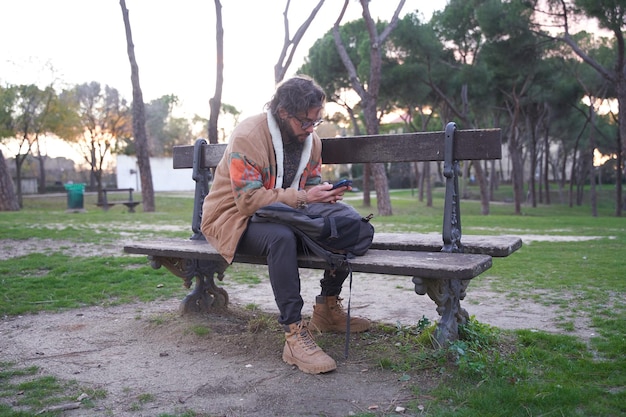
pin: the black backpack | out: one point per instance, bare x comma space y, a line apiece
334, 232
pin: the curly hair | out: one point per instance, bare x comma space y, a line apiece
297, 95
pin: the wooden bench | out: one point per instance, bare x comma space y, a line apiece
130, 203
440, 266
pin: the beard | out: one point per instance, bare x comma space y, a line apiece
289, 135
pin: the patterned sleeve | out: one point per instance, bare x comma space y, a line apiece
245, 175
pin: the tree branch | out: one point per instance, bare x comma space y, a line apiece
345, 58
280, 69
392, 23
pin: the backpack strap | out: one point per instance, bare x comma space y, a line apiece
347, 344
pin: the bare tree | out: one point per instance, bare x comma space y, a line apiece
26, 110
139, 121
369, 94
216, 101
290, 45
101, 117
8, 198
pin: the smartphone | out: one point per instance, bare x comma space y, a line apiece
342, 183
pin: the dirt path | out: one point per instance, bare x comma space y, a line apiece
146, 351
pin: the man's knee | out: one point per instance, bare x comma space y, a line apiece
282, 233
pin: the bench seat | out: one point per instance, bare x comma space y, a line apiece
429, 265
497, 246
105, 204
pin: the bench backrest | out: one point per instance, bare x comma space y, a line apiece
483, 144
450, 146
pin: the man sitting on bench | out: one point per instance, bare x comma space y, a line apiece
276, 157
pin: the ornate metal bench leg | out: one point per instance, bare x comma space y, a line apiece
206, 295
447, 294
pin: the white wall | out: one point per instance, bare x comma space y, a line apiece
164, 176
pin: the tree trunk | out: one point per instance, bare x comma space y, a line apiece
517, 173
546, 161
580, 180
619, 203
516, 154
592, 168
465, 179
356, 131
139, 121
563, 169
41, 188
532, 183
484, 188
381, 185
427, 184
369, 95
367, 175
19, 161
493, 179
8, 198
572, 178
216, 101
621, 99
419, 182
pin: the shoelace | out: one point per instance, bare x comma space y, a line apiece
306, 338
339, 307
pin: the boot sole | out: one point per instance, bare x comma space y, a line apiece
307, 369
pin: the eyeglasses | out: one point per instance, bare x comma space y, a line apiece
305, 124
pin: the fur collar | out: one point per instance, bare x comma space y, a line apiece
277, 141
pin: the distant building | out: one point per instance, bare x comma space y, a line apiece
164, 176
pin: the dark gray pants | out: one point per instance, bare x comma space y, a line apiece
281, 246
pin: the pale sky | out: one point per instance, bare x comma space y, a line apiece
84, 40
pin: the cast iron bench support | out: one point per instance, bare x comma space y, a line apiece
447, 294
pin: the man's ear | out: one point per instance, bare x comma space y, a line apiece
282, 113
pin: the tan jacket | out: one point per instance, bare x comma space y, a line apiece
248, 178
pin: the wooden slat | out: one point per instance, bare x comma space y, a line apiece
497, 246
482, 144
433, 265
183, 155
420, 146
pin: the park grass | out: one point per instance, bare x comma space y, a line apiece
491, 372
52, 282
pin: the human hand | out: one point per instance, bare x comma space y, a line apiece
325, 193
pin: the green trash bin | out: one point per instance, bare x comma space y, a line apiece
75, 196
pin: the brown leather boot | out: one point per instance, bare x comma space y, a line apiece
301, 350
329, 316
